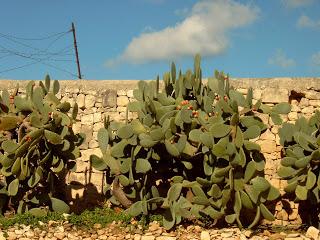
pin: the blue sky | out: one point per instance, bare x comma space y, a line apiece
138, 39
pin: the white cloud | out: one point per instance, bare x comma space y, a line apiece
306, 22
297, 3
204, 31
315, 59
281, 60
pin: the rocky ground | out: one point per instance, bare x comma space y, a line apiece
115, 231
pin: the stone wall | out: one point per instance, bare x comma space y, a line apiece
96, 99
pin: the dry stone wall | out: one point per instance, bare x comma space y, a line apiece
97, 99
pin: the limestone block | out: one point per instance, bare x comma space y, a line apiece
286, 223
121, 92
88, 111
97, 117
133, 115
91, 92
257, 93
130, 93
64, 99
313, 233
84, 145
87, 130
277, 222
98, 98
85, 154
275, 182
307, 110
95, 136
114, 116
311, 94
264, 117
292, 116
80, 101
98, 105
295, 108
122, 116
267, 135
294, 214
109, 98
267, 146
307, 115
275, 95
76, 127
87, 119
58, 95
242, 90
269, 163
68, 90
315, 103
122, 101
89, 101
75, 191
76, 178
121, 109
82, 166
282, 215
97, 126
93, 144
297, 222
275, 129
276, 155
304, 102
71, 101
97, 178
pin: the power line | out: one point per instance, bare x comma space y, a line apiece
31, 47
33, 39
35, 62
15, 68
19, 54
39, 56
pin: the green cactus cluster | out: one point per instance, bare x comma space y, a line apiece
190, 153
300, 164
37, 148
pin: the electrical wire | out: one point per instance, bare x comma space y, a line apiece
19, 54
33, 39
15, 68
31, 47
35, 62
39, 56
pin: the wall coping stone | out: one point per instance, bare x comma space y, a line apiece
290, 83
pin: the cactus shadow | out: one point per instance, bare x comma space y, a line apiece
83, 197
309, 214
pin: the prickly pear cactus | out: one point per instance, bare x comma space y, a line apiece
190, 152
300, 165
37, 147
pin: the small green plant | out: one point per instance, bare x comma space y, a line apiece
37, 148
86, 219
300, 165
102, 216
190, 153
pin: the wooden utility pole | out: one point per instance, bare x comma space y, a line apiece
76, 49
